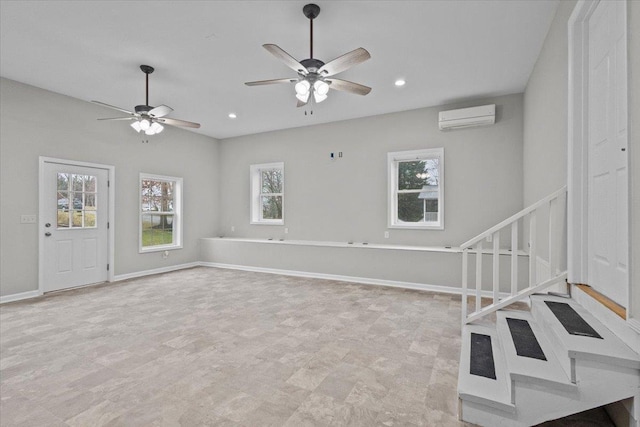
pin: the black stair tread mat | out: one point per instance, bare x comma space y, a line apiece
482, 356
524, 339
572, 321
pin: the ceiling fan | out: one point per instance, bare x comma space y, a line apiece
149, 119
314, 76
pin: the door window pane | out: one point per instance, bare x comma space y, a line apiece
77, 197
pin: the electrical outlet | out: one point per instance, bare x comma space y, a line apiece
165, 254
286, 230
386, 234
233, 228
27, 219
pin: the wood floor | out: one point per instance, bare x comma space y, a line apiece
217, 347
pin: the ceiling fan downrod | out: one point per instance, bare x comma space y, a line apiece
147, 69
311, 11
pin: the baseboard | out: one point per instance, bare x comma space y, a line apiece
351, 279
120, 277
20, 296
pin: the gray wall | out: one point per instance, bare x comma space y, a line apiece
35, 122
545, 129
545, 113
346, 199
361, 262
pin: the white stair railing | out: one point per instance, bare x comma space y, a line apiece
528, 216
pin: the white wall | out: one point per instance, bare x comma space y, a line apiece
346, 199
35, 122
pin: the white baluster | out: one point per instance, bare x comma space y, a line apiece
532, 249
478, 276
465, 255
514, 258
553, 233
496, 266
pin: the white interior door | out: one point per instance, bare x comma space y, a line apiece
74, 225
607, 155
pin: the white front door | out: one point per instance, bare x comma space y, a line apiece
607, 152
74, 225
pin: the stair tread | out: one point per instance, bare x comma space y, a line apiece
609, 348
528, 369
479, 389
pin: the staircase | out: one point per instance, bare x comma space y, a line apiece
549, 360
534, 366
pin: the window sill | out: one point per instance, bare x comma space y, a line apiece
416, 227
267, 222
159, 248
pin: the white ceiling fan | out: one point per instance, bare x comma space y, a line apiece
149, 119
314, 76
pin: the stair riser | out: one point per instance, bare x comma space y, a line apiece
599, 384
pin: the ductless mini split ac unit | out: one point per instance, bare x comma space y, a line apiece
467, 117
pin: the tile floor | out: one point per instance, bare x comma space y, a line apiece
217, 347
209, 346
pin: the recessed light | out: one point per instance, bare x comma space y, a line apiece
232, 115
400, 82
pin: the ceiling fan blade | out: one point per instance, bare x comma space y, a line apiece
270, 82
178, 122
288, 60
120, 118
344, 62
347, 86
113, 107
160, 111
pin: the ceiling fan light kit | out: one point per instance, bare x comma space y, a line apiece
146, 118
313, 74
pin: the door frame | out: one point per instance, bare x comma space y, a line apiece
111, 170
578, 150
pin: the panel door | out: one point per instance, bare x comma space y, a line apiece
74, 226
607, 155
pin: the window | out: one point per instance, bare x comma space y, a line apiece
76, 201
416, 189
160, 213
267, 193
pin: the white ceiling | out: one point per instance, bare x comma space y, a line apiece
204, 51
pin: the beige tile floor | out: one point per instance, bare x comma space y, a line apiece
226, 348
219, 347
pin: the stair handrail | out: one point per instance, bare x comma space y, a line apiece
475, 246
514, 217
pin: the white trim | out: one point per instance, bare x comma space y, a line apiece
20, 296
255, 216
577, 150
111, 172
177, 212
360, 245
167, 269
626, 330
351, 279
392, 173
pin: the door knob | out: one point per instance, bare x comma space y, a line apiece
47, 234
48, 225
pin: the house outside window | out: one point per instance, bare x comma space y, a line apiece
160, 213
416, 189
267, 193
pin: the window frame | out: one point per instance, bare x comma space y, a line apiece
255, 179
393, 159
177, 212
